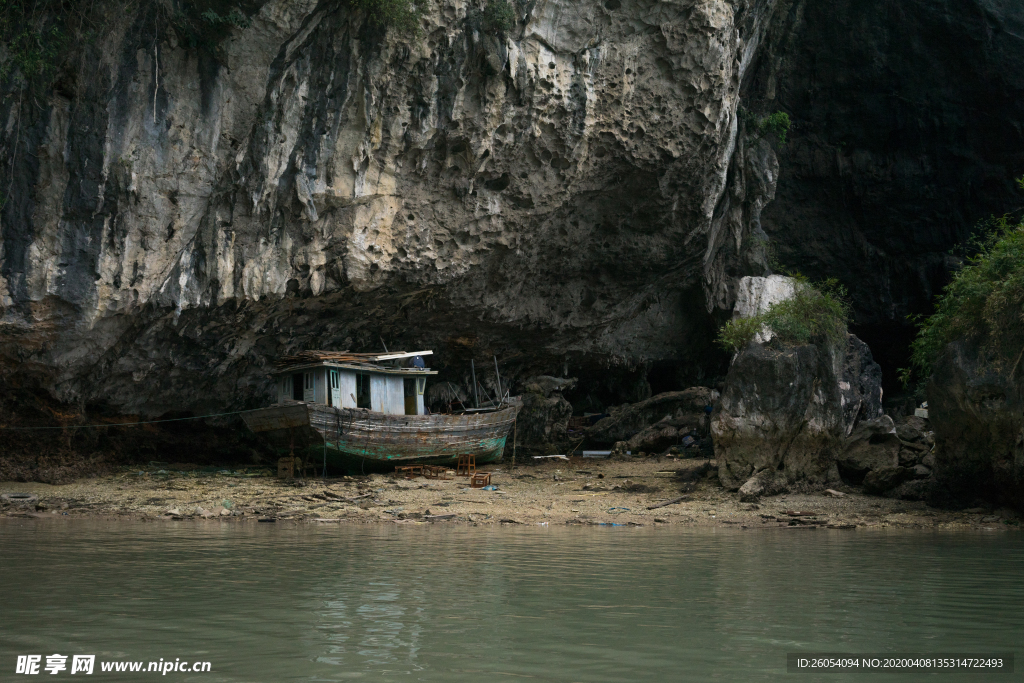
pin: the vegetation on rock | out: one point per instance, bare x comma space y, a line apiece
39, 35
983, 304
34, 35
775, 125
813, 312
207, 28
499, 17
401, 15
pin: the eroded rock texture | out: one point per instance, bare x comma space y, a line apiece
579, 197
778, 425
578, 190
976, 407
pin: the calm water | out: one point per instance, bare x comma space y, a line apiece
287, 603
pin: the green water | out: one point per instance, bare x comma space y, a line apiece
445, 603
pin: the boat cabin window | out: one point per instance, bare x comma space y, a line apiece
362, 391
297, 386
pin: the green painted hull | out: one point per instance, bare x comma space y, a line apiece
363, 441
339, 460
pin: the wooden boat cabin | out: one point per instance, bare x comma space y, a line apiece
388, 383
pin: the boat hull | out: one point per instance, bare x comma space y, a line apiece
362, 440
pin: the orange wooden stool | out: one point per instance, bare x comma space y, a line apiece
466, 466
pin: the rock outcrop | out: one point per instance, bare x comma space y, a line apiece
860, 385
786, 408
543, 421
778, 424
976, 408
873, 445
586, 189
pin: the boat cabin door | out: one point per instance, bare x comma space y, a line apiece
307, 387
334, 384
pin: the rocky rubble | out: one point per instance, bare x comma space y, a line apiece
654, 425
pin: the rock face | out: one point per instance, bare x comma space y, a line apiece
977, 410
657, 423
860, 385
181, 214
874, 188
543, 420
779, 420
872, 445
756, 294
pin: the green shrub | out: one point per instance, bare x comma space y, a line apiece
776, 125
34, 36
233, 18
402, 15
499, 17
812, 313
739, 332
984, 303
205, 30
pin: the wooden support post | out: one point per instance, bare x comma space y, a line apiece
476, 396
497, 375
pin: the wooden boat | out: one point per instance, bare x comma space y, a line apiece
359, 416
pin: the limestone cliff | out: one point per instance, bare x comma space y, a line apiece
578, 190
578, 195
908, 130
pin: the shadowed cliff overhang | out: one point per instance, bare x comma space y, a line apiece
181, 213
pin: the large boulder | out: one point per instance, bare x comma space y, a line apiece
881, 480
662, 418
976, 408
860, 384
913, 429
872, 445
779, 419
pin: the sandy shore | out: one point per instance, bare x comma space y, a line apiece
554, 493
